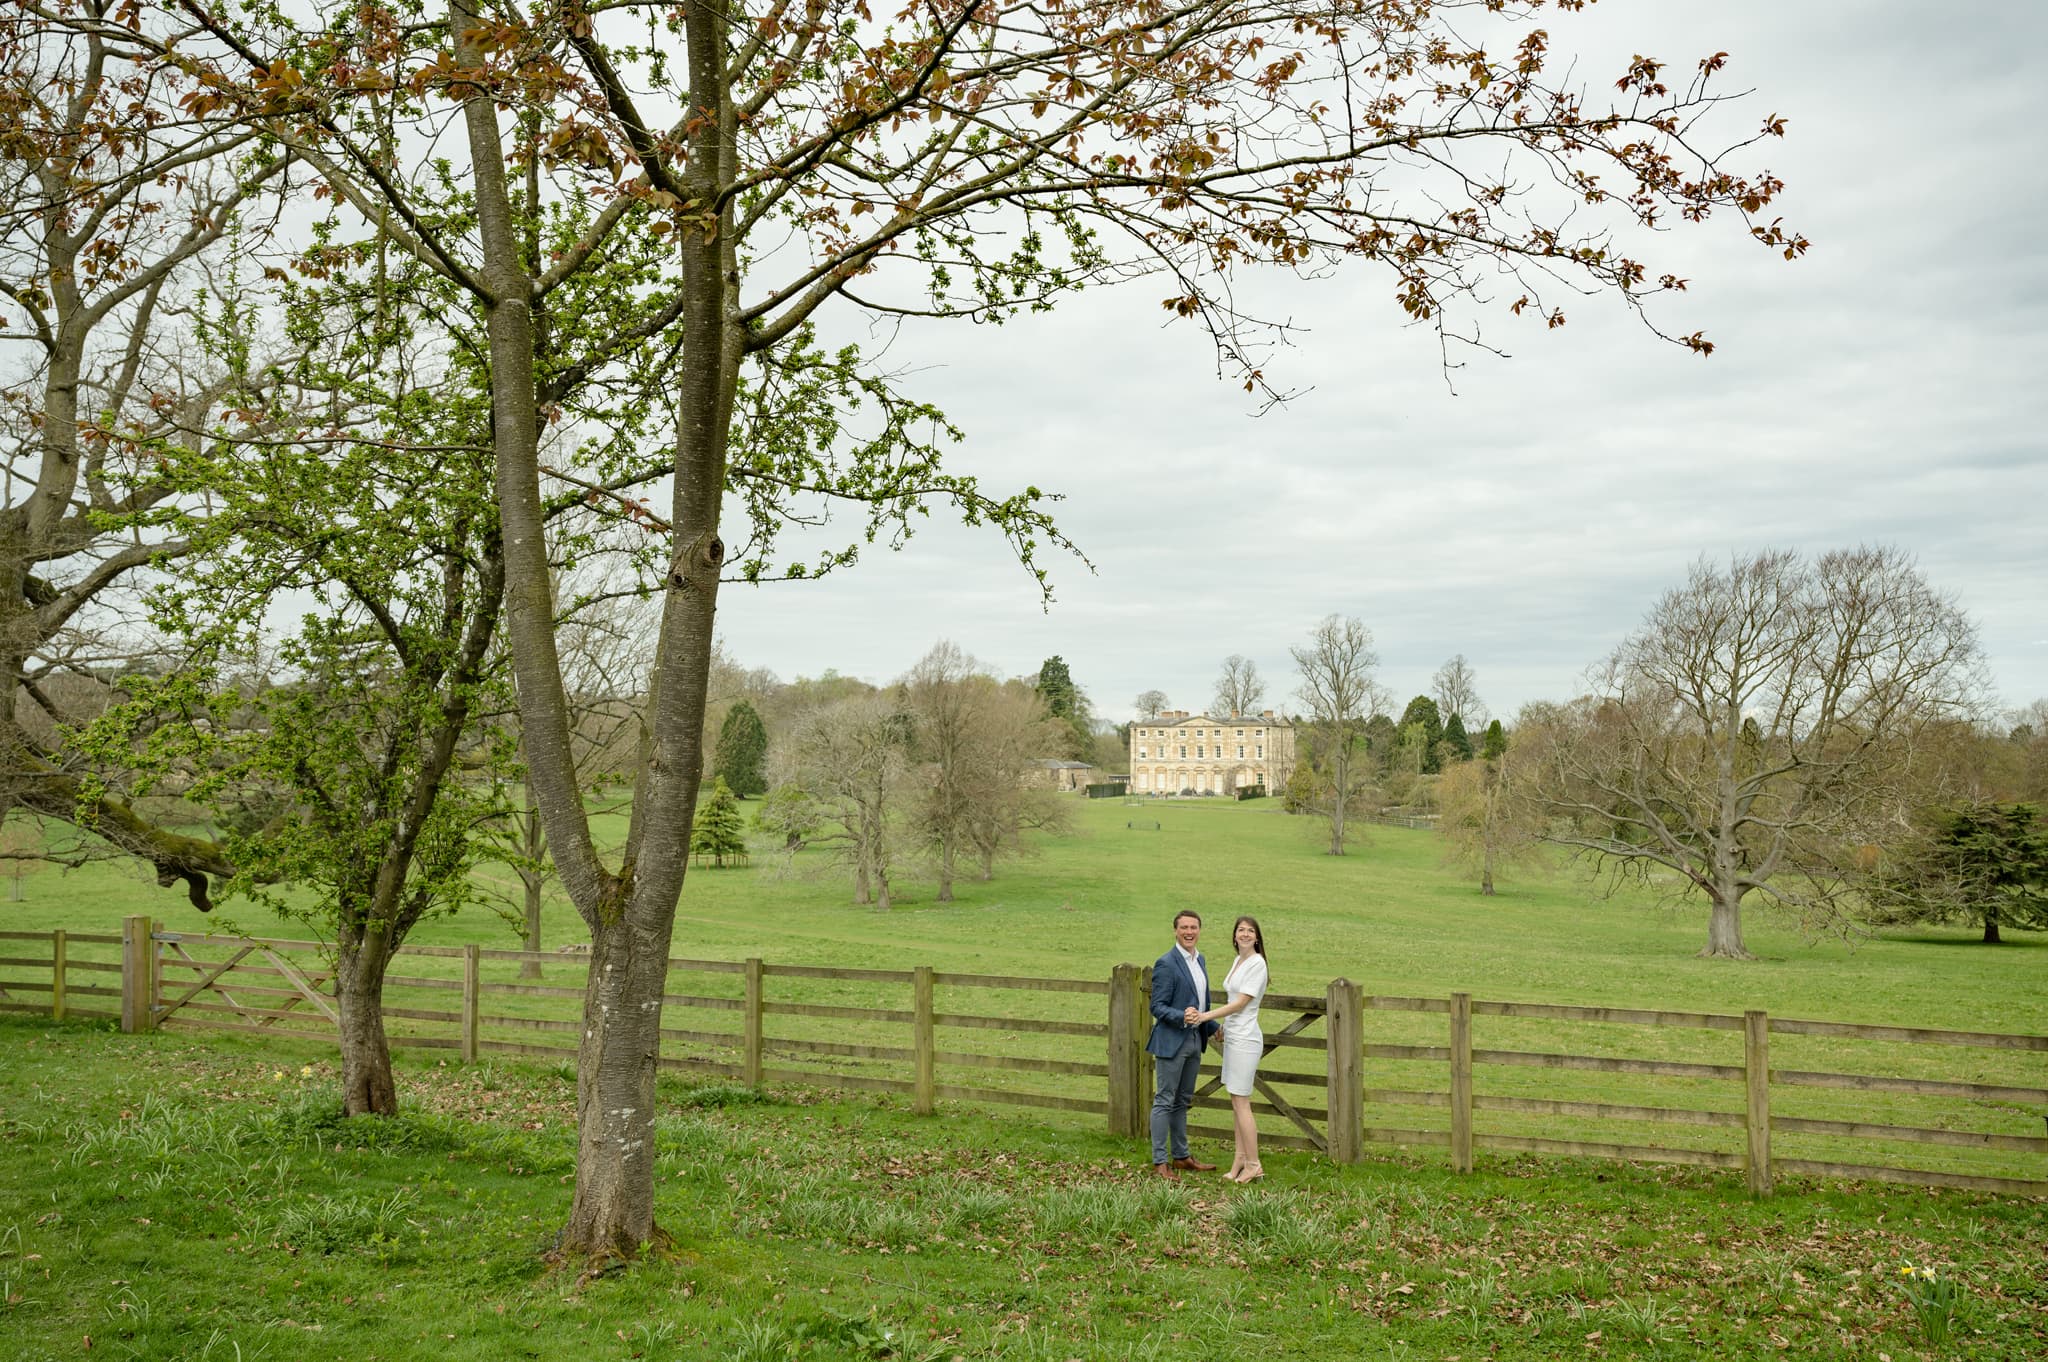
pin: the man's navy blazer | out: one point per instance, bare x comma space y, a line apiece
1173, 993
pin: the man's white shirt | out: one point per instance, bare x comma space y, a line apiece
1196, 976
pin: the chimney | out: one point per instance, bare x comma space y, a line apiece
1266, 713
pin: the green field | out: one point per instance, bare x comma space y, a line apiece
170, 1198
1388, 916
188, 1196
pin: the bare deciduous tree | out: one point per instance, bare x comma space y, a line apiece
1149, 703
1013, 802
1338, 690
1239, 689
1765, 721
1457, 692
853, 758
976, 739
944, 691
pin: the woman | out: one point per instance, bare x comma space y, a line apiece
1243, 1043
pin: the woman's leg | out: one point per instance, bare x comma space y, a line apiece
1247, 1132
1247, 1151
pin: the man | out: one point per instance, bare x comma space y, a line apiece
1180, 989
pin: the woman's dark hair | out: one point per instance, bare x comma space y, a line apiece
1258, 937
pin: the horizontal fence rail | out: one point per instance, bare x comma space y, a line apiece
1747, 1093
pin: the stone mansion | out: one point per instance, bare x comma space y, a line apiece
1177, 751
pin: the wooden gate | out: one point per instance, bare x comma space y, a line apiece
1308, 1012
1336, 1129
252, 987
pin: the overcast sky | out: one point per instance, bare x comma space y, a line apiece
1890, 387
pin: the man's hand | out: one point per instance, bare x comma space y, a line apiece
1191, 1017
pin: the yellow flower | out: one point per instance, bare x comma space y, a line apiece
277, 1077
306, 1072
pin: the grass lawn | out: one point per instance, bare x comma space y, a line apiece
1388, 916
168, 1197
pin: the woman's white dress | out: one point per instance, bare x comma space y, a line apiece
1243, 1042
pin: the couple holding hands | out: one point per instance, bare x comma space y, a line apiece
1182, 1024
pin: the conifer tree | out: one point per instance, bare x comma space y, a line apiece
1456, 741
741, 757
718, 836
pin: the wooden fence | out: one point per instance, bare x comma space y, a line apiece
1751, 1093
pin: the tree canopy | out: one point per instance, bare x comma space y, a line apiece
1767, 718
1982, 862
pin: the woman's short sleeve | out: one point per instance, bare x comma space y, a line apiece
1254, 980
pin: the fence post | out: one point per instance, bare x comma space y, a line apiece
1461, 1082
923, 1044
1126, 1053
1756, 1075
138, 975
58, 944
1344, 1037
472, 987
750, 1058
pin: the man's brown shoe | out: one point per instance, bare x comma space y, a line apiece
1194, 1165
1165, 1170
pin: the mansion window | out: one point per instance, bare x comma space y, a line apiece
1183, 733
1261, 750
1198, 753
1183, 753
1240, 733
1240, 751
1141, 754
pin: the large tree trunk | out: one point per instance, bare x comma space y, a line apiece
1991, 927
946, 870
633, 920
613, 1211
1724, 930
367, 1088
